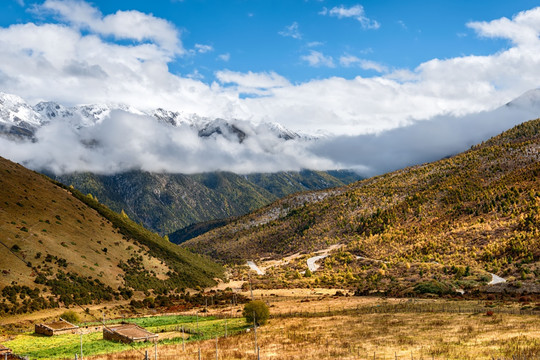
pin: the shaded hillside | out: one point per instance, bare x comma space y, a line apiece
194, 230
479, 209
168, 202
54, 240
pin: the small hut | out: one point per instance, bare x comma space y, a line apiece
128, 333
56, 328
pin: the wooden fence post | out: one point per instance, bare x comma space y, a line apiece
81, 347
255, 330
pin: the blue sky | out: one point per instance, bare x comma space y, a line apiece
252, 35
316, 66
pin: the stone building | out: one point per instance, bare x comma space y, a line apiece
55, 328
128, 333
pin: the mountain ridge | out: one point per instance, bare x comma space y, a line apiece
169, 202
480, 209
54, 237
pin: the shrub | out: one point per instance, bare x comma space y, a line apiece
70, 316
257, 309
433, 287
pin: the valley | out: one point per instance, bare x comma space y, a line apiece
451, 245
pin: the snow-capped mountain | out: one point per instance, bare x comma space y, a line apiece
22, 120
17, 118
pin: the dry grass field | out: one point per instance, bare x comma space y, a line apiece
302, 329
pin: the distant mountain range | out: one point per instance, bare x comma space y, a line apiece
169, 202
87, 151
164, 201
19, 119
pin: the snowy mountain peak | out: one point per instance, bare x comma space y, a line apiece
281, 131
14, 111
20, 119
50, 110
173, 118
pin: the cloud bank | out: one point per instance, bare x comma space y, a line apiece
125, 141
425, 141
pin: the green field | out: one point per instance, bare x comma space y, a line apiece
62, 346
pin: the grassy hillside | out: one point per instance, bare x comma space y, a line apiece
72, 248
475, 212
168, 202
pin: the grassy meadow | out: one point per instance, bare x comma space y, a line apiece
167, 326
314, 325
344, 333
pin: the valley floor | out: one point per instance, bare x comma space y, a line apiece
315, 324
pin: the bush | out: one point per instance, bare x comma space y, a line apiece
256, 308
433, 287
70, 316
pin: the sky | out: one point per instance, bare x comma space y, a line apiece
328, 68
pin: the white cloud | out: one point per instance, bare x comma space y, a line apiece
225, 57
351, 60
291, 31
20, 2
132, 25
127, 142
317, 59
252, 80
203, 48
356, 12
522, 29
422, 141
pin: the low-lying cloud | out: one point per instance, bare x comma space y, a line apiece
125, 141
425, 141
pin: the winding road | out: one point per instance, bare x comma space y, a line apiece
496, 280
255, 268
312, 262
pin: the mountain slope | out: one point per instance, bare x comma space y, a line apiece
480, 209
168, 202
53, 237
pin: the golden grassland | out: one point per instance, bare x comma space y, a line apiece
357, 335
312, 324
